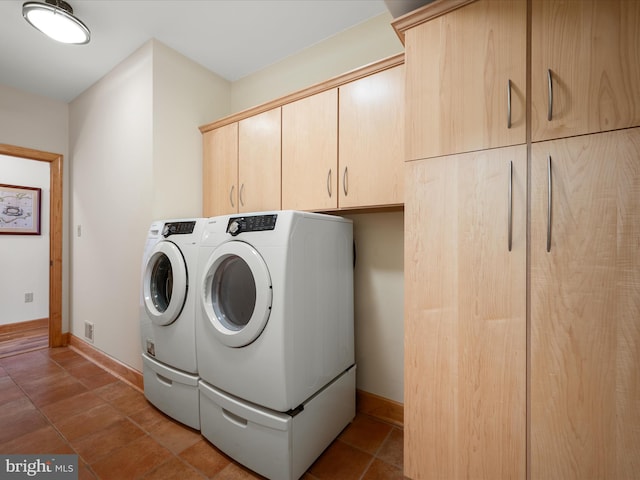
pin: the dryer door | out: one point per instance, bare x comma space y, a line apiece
165, 283
237, 292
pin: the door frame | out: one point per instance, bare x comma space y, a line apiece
56, 338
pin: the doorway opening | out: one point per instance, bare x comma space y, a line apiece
56, 338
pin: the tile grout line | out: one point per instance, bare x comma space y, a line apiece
44, 416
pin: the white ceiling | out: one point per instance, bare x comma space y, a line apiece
232, 38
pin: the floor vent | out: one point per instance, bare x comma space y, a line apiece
88, 331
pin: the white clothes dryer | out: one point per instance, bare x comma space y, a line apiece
167, 317
275, 318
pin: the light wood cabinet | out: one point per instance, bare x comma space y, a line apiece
241, 166
310, 152
582, 340
371, 140
465, 316
220, 171
466, 70
259, 162
585, 307
585, 55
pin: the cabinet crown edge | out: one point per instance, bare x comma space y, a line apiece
424, 14
334, 82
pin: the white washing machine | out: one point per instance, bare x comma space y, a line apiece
167, 317
274, 336
275, 320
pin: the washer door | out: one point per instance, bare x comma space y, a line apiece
237, 293
165, 283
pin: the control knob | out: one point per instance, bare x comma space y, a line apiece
234, 228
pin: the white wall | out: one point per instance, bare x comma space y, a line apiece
378, 281
39, 123
136, 156
24, 259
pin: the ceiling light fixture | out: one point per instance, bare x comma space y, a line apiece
55, 19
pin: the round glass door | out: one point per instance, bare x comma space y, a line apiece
237, 293
165, 283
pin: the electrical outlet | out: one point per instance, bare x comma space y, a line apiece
88, 331
28, 297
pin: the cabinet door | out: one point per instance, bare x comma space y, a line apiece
585, 308
465, 316
309, 152
458, 70
591, 50
259, 162
220, 171
371, 140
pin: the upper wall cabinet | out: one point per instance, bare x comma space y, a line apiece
220, 171
585, 67
310, 152
259, 157
466, 79
241, 166
371, 140
335, 145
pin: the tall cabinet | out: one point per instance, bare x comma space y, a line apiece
585, 307
523, 363
465, 316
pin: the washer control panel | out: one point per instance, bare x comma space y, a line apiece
178, 228
254, 223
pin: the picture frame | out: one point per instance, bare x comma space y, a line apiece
19, 210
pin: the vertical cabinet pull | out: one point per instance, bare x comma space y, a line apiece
329, 183
240, 196
233, 187
510, 208
550, 89
509, 104
549, 199
345, 187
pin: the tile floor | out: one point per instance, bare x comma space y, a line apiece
57, 401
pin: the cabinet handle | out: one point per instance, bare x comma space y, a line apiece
510, 207
549, 198
231, 196
240, 196
345, 187
329, 183
550, 88
509, 104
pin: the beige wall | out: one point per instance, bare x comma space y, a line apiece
379, 303
39, 123
185, 95
366, 43
136, 156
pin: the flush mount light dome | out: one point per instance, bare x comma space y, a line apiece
55, 19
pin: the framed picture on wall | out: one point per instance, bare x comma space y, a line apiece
19, 210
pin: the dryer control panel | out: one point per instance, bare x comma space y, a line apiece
178, 228
254, 223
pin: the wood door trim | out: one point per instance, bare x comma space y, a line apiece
56, 338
